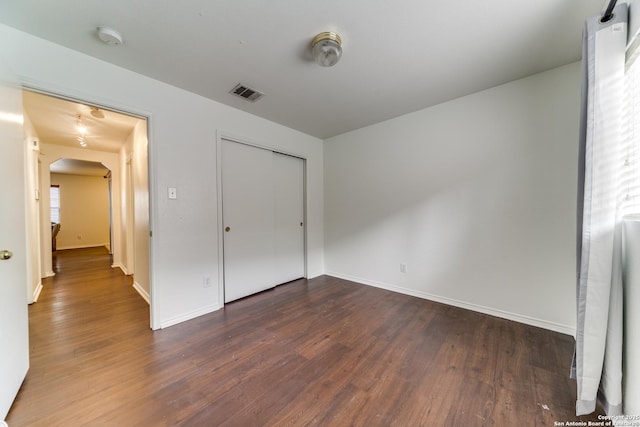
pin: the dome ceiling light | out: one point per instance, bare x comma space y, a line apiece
326, 49
109, 36
97, 113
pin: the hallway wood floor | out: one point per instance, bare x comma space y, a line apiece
322, 352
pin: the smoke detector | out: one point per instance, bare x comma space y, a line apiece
109, 36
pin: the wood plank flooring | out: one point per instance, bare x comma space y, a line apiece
324, 352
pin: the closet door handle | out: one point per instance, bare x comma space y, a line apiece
227, 229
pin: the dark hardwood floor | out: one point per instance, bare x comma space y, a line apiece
322, 352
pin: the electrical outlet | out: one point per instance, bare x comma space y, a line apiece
403, 267
206, 282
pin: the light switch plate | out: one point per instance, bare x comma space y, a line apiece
173, 193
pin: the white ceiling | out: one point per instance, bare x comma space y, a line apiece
55, 121
398, 56
78, 167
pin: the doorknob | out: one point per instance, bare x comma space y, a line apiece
5, 254
227, 229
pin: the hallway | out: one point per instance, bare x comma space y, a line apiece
80, 326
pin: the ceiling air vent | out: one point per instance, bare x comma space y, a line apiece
246, 92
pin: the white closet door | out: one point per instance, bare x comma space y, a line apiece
248, 218
289, 217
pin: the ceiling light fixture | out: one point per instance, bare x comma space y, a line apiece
326, 49
97, 113
109, 36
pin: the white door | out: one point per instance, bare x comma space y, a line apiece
289, 217
248, 218
14, 332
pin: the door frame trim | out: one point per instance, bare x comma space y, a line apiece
97, 101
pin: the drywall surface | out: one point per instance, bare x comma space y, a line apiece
475, 199
84, 211
140, 198
183, 129
32, 213
50, 153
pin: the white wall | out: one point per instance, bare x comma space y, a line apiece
32, 213
182, 145
477, 196
126, 206
135, 208
84, 211
50, 153
141, 207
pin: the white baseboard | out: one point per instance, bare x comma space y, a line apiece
144, 294
121, 267
36, 292
188, 316
83, 246
544, 324
48, 274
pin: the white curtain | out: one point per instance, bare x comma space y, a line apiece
597, 364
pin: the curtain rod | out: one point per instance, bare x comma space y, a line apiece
608, 13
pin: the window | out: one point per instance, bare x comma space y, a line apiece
631, 136
55, 203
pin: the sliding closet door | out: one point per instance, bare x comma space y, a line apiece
289, 217
248, 218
